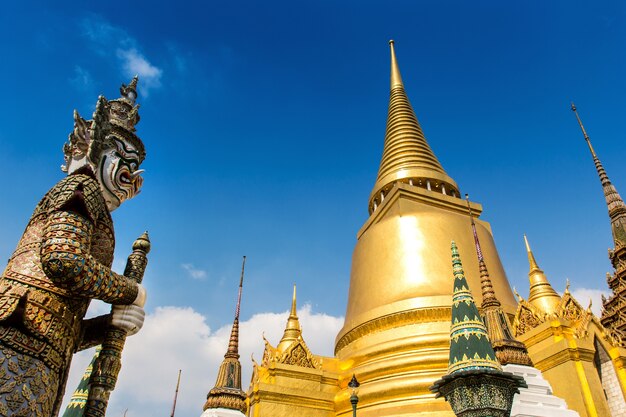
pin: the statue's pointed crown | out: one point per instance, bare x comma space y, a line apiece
406, 153
111, 118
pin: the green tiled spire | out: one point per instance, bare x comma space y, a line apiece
76, 407
469, 345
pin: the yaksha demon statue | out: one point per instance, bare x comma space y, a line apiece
63, 260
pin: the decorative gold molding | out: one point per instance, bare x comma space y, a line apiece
399, 319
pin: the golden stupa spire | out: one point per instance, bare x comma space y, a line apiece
292, 330
541, 295
227, 392
407, 157
508, 350
396, 78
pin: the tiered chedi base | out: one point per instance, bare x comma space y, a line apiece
537, 400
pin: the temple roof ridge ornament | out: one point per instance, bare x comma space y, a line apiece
227, 392
541, 294
407, 157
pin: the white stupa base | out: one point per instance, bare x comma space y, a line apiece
537, 400
222, 412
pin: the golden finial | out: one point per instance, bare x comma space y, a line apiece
580, 123
531, 257
142, 243
396, 78
293, 302
541, 294
292, 329
238, 309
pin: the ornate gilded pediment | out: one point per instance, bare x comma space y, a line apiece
527, 316
299, 354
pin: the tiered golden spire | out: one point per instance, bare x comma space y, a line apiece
227, 392
292, 331
613, 312
407, 157
616, 206
541, 295
508, 350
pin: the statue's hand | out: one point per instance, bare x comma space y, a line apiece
130, 317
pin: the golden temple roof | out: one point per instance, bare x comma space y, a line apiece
406, 153
541, 295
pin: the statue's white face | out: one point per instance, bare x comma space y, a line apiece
119, 174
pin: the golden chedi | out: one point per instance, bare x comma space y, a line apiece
396, 332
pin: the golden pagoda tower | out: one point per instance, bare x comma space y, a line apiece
227, 399
613, 308
396, 332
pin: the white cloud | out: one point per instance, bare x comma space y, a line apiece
108, 40
134, 63
194, 272
176, 338
583, 295
82, 78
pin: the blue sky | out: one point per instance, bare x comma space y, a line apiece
264, 126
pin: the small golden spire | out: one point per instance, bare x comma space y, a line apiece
396, 78
541, 295
293, 302
531, 257
292, 329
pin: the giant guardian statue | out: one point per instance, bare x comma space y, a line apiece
63, 261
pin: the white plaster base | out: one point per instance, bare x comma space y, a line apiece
222, 412
537, 400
